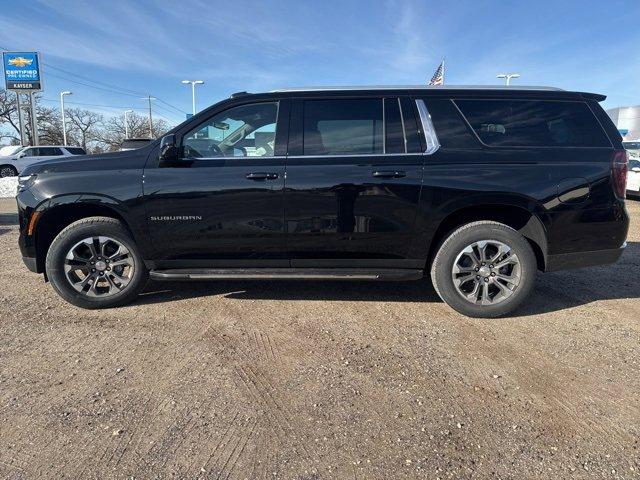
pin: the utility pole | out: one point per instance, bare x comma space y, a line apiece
193, 92
508, 76
20, 120
64, 121
126, 123
34, 119
149, 98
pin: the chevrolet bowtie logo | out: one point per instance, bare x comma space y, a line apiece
20, 61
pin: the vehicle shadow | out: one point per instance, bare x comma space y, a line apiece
289, 290
8, 219
554, 291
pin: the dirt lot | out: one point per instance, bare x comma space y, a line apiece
320, 380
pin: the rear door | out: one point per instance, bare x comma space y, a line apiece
354, 172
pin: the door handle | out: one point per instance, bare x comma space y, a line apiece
389, 174
257, 176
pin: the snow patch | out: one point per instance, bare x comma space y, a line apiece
8, 187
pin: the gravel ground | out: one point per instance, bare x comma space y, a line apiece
320, 380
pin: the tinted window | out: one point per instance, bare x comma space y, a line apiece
75, 150
49, 151
393, 127
343, 127
534, 123
30, 152
449, 125
633, 163
243, 131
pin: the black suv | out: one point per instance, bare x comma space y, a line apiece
478, 187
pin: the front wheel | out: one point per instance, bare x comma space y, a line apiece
94, 263
8, 171
484, 269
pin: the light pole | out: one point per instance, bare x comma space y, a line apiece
193, 91
64, 122
126, 124
508, 76
149, 98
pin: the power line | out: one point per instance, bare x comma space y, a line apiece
91, 104
110, 88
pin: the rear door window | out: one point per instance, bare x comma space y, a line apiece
50, 151
343, 127
393, 127
533, 123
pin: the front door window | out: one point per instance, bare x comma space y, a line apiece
243, 131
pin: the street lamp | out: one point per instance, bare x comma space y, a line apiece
126, 124
193, 91
64, 122
508, 76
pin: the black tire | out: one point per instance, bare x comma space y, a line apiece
76, 232
8, 171
443, 263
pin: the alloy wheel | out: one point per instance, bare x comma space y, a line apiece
99, 266
7, 172
486, 272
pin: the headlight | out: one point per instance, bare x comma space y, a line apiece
26, 181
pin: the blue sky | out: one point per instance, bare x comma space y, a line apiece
149, 47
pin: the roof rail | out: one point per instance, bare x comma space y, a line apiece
418, 87
239, 94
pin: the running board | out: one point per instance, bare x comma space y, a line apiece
287, 274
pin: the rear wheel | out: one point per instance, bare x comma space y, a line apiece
94, 263
8, 171
484, 269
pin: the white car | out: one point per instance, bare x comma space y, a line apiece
633, 178
13, 165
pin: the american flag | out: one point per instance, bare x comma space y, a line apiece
438, 77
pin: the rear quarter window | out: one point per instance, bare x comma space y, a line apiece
533, 123
449, 125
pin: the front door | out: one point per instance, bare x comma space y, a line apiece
354, 173
222, 204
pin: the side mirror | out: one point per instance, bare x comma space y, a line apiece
169, 154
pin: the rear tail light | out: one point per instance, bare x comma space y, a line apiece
619, 164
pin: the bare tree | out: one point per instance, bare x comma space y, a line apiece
50, 126
84, 126
113, 133
9, 114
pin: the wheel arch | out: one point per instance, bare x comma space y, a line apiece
63, 211
516, 217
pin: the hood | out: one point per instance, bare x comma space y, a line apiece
132, 159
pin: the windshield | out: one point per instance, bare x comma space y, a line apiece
10, 150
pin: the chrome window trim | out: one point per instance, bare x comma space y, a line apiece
356, 155
404, 131
427, 128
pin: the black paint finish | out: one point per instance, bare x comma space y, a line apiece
387, 211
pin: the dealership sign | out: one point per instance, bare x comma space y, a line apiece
22, 71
